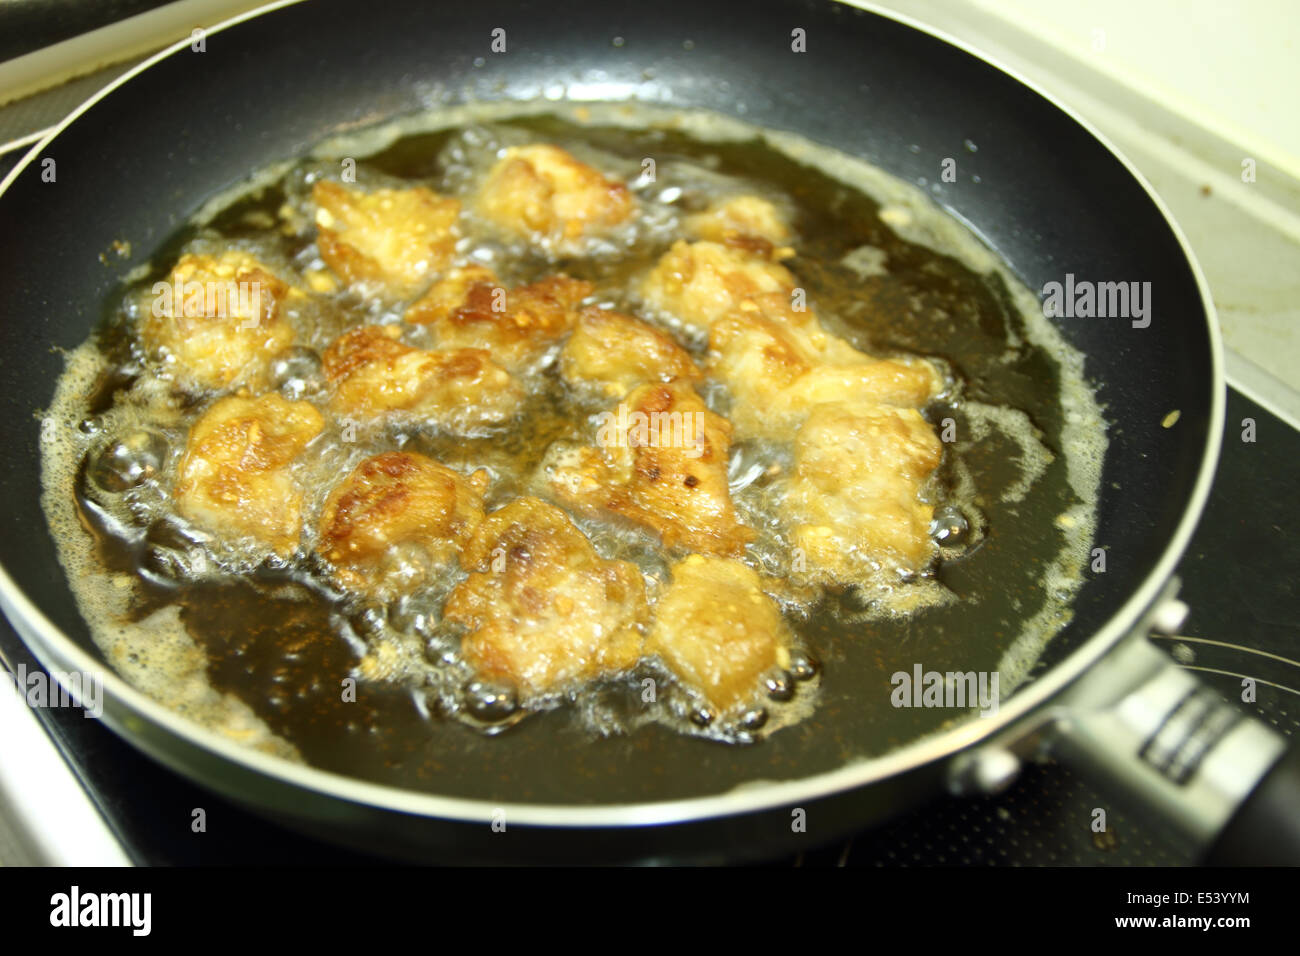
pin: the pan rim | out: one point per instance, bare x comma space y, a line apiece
42, 635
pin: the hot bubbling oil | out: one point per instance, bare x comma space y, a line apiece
274, 641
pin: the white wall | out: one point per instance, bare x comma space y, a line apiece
1231, 65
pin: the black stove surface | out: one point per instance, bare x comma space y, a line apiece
1245, 622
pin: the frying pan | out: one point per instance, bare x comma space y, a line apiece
1049, 196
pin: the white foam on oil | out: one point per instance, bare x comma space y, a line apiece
163, 660
1016, 426
157, 656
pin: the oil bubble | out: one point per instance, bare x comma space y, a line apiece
703, 716
779, 685
129, 461
490, 701
297, 372
803, 666
949, 527
172, 553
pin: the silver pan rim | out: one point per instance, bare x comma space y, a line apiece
57, 651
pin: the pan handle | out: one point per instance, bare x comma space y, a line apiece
1265, 830
1150, 730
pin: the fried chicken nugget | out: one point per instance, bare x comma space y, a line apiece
542, 609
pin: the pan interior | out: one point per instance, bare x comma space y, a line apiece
1040, 190
1027, 476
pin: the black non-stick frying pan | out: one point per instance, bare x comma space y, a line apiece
1043, 191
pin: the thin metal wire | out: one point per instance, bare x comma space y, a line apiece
1235, 647
1257, 680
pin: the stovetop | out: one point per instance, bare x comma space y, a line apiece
1245, 622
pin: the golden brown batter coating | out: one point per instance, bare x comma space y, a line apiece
398, 238
395, 518
661, 462
456, 390
236, 479
854, 504
450, 293
471, 309
717, 630
618, 353
700, 282
780, 364
543, 610
741, 219
218, 322
541, 193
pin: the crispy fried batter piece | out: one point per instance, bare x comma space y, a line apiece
471, 309
661, 462
401, 238
395, 518
541, 193
450, 293
235, 477
219, 320
780, 364
542, 608
739, 220
456, 390
700, 282
717, 630
853, 503
618, 353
